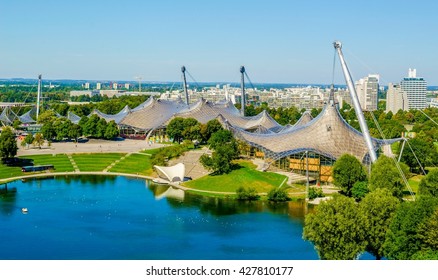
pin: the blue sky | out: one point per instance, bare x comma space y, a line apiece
278, 41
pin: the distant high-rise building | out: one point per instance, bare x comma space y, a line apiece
415, 88
127, 86
87, 85
367, 91
115, 85
396, 99
98, 86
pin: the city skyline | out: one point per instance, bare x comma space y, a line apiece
277, 41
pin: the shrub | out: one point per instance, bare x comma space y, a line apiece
247, 194
278, 195
315, 192
359, 190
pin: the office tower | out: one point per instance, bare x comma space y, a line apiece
415, 88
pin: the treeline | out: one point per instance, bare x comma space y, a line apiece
370, 215
28, 93
107, 105
281, 115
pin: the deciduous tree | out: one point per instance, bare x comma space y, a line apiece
403, 239
384, 175
335, 230
376, 211
346, 172
429, 184
8, 143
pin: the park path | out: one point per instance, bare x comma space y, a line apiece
73, 163
115, 162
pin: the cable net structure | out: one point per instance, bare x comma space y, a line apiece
328, 134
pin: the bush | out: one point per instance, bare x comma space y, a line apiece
315, 192
247, 194
278, 195
167, 153
359, 190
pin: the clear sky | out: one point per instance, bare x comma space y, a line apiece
278, 41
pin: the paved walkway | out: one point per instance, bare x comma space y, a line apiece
92, 146
73, 163
115, 162
190, 159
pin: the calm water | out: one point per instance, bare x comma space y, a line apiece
96, 217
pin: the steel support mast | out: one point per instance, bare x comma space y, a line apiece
38, 96
183, 70
356, 104
242, 87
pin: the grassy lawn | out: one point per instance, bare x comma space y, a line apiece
7, 171
60, 162
151, 151
245, 176
134, 163
95, 162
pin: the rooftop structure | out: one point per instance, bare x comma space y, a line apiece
328, 134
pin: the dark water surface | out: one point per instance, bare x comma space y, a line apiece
97, 217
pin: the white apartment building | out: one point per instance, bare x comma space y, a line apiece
396, 99
367, 90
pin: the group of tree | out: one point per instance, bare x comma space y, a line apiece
180, 129
225, 150
378, 220
58, 128
104, 104
30, 139
393, 125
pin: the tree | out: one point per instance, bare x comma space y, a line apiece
335, 230
376, 211
38, 140
48, 130
175, 129
8, 143
192, 129
384, 174
100, 128
48, 116
403, 239
62, 128
429, 184
278, 194
75, 132
424, 150
243, 193
112, 130
28, 140
225, 150
16, 124
220, 138
346, 171
209, 128
359, 190
90, 127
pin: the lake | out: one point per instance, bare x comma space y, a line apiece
118, 218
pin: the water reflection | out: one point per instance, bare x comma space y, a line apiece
98, 217
227, 206
87, 180
8, 198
